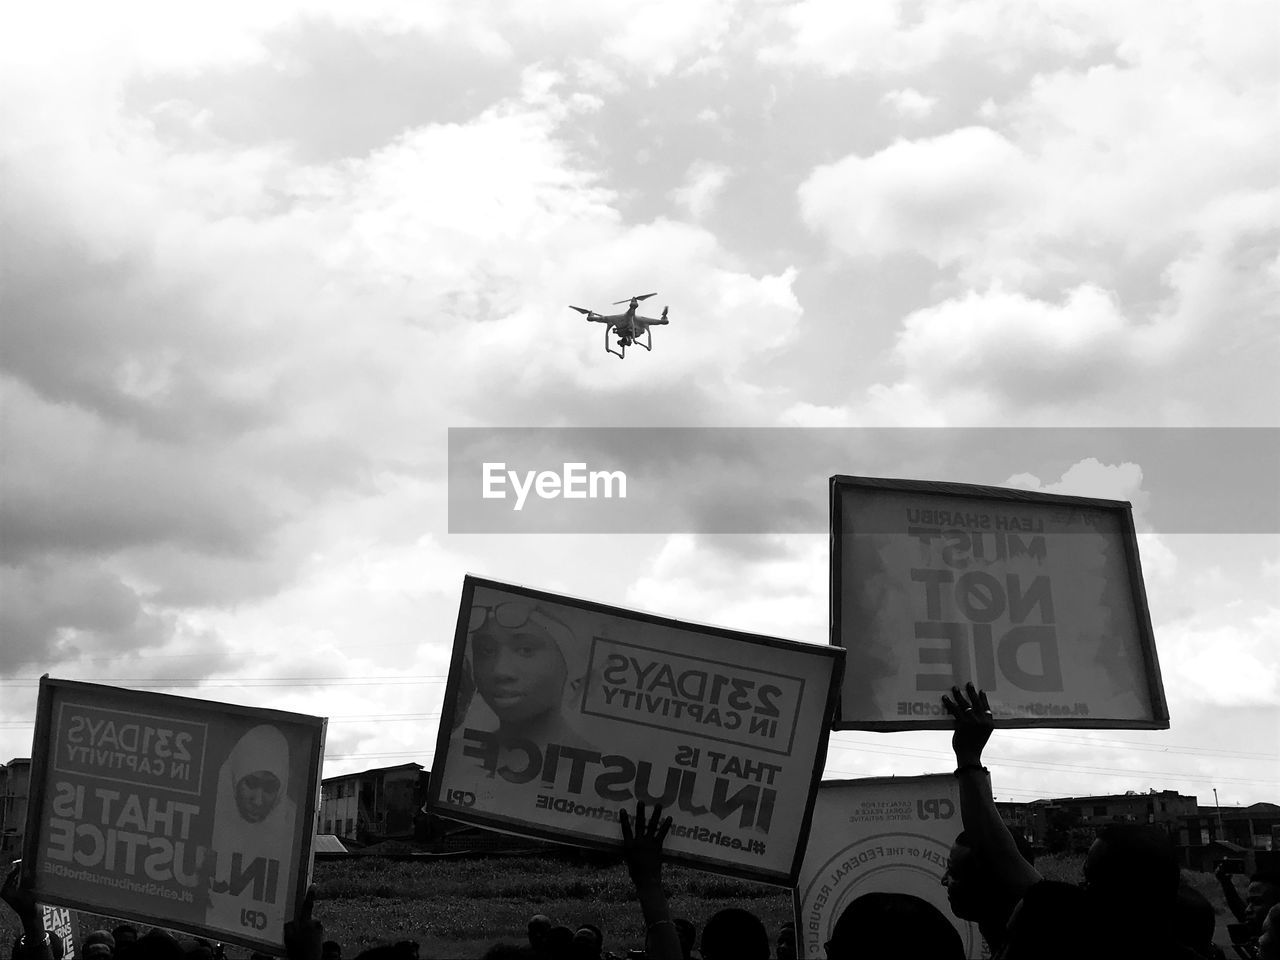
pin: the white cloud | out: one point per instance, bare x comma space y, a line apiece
910, 103
983, 354
837, 37
775, 585
893, 37
1147, 181
936, 196
1113, 481
1117, 481
237, 353
103, 488
227, 372
1080, 159
702, 186
150, 35
650, 38
1271, 568
814, 415
1092, 478
1206, 660
1012, 356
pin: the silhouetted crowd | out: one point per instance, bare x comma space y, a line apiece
1131, 902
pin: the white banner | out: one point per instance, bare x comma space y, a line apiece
1036, 599
183, 813
879, 835
561, 712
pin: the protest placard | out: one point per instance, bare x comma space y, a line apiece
1036, 598
878, 835
560, 712
61, 923
186, 814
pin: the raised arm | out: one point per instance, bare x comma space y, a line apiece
19, 895
304, 937
642, 848
1230, 893
974, 725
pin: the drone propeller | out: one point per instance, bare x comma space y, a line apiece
582, 310
643, 296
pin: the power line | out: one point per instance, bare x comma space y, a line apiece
901, 751
1133, 745
1180, 749
154, 682
401, 754
920, 752
118, 658
371, 718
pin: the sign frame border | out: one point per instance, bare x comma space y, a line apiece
39, 774
519, 828
1123, 510
797, 906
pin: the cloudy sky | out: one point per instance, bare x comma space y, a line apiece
258, 259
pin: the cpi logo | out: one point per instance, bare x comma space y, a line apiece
253, 918
463, 798
940, 809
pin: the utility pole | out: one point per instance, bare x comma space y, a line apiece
1221, 834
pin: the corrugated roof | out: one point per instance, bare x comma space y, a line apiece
1262, 809
328, 843
1233, 847
365, 773
1162, 795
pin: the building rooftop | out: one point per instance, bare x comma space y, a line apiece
1261, 809
365, 773
1119, 796
328, 843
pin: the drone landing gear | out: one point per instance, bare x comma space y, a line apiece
624, 342
621, 355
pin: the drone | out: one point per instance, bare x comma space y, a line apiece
627, 325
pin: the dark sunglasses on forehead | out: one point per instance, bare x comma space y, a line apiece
512, 614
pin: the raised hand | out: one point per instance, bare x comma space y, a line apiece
18, 894
642, 848
974, 723
304, 937
642, 845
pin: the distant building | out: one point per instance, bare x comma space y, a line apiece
373, 805
1018, 817
1209, 834
1071, 823
15, 785
1166, 807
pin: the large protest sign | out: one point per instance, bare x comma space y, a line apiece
560, 712
1036, 598
879, 835
183, 813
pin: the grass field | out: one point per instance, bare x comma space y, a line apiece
458, 908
